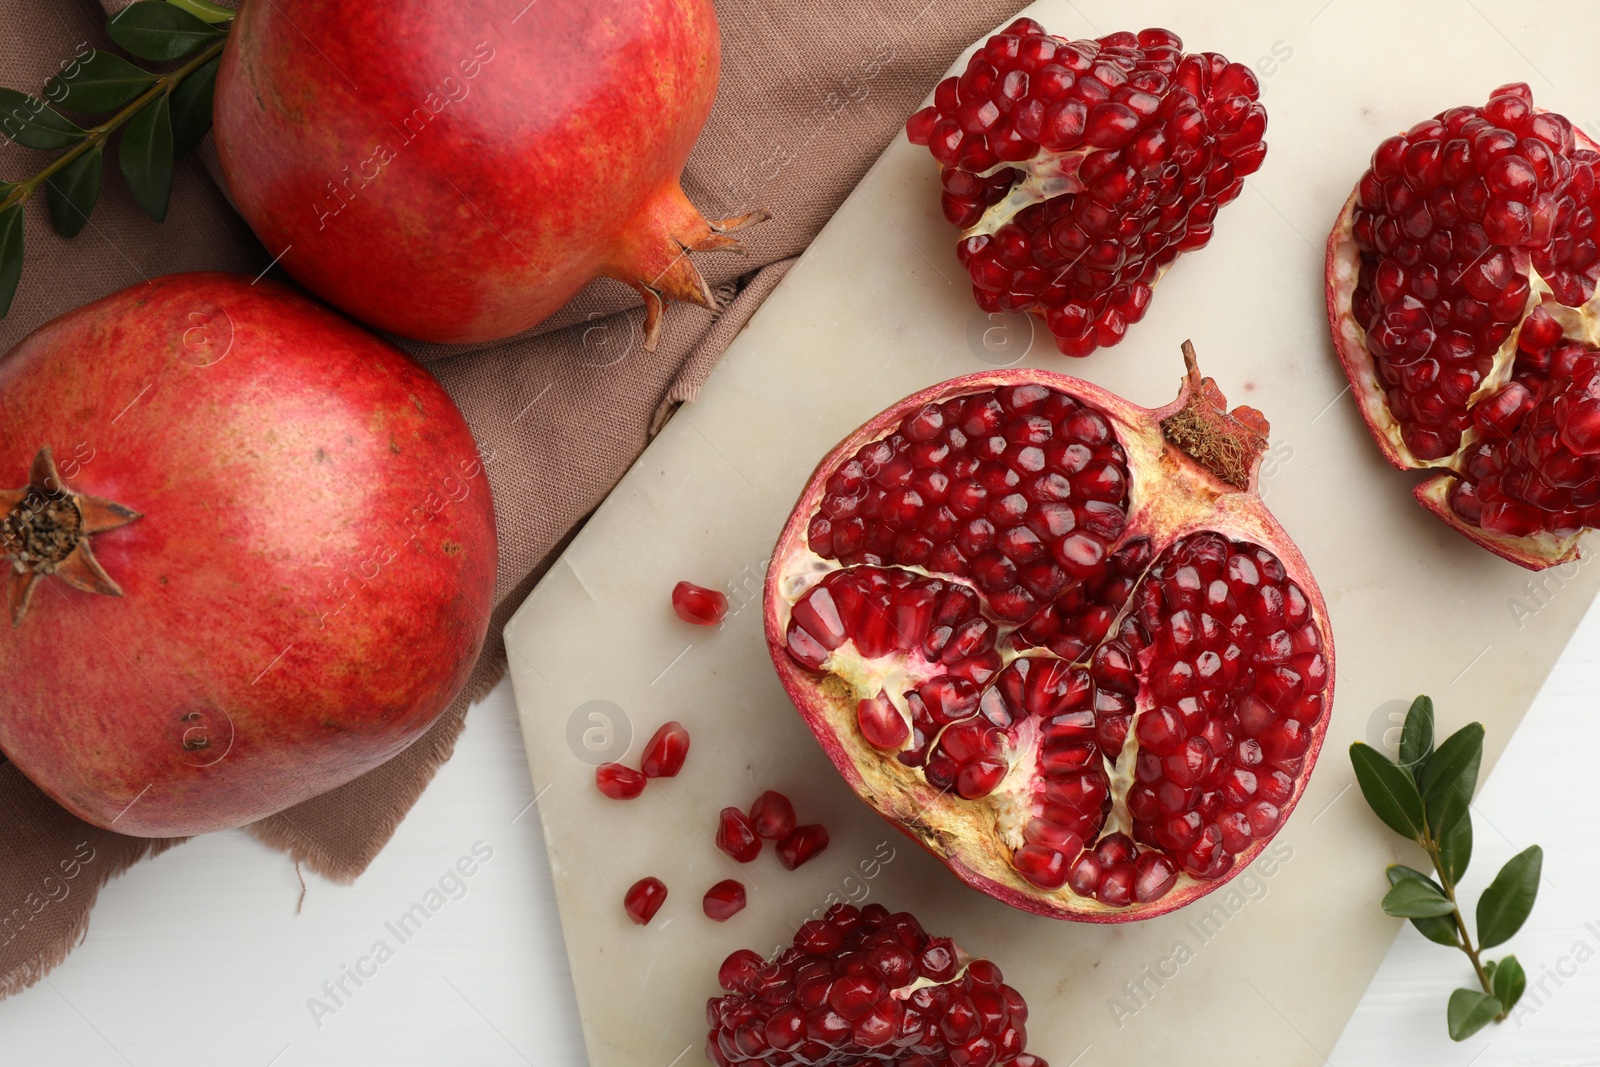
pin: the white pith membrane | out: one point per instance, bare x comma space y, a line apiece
1170, 497
1581, 324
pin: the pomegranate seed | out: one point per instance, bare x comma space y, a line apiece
699, 605
724, 900
618, 782
800, 846
643, 899
666, 751
772, 816
736, 836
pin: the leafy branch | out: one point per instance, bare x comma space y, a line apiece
1425, 797
161, 117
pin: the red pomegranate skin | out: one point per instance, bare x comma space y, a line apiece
308, 584
455, 173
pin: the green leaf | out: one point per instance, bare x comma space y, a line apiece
1505, 905
100, 81
1416, 898
1439, 930
1455, 850
10, 255
1452, 778
145, 157
1470, 1011
32, 123
205, 10
71, 192
1416, 737
1509, 982
1389, 790
191, 107
153, 29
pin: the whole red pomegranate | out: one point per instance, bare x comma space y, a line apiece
453, 174
863, 986
1057, 638
1460, 279
1079, 170
249, 554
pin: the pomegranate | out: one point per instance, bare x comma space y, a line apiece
802, 844
862, 986
1057, 638
724, 900
736, 837
1079, 170
643, 899
455, 175
666, 751
698, 605
249, 552
618, 782
772, 816
1460, 276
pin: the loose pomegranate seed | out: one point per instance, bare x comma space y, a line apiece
666, 751
772, 816
1131, 145
736, 836
699, 605
843, 995
724, 900
643, 899
618, 782
800, 846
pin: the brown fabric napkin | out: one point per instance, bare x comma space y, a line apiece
811, 93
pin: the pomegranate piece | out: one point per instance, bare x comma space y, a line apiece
802, 844
866, 986
698, 605
1459, 275
643, 899
736, 836
1079, 170
724, 900
618, 782
772, 815
1109, 669
666, 751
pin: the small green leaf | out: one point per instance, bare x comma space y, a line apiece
145, 157
1505, 905
205, 10
10, 255
71, 192
100, 81
1509, 982
1470, 1011
1416, 898
1439, 930
1416, 737
153, 29
1455, 850
1389, 790
1452, 778
31, 123
191, 107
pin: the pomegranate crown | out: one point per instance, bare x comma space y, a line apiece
1226, 443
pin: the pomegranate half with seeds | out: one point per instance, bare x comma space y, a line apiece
1057, 638
1460, 282
1079, 170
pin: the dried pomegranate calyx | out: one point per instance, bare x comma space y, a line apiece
45, 529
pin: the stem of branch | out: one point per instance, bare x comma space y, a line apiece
1466, 945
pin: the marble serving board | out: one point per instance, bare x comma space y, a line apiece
1264, 972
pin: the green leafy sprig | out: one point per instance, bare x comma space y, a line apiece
1425, 797
161, 117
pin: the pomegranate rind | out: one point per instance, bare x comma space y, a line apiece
1536, 552
1169, 495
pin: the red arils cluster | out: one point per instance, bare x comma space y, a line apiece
698, 605
1081, 169
864, 987
772, 818
1448, 221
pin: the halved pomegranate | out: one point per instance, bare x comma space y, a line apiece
1057, 638
1460, 284
1079, 170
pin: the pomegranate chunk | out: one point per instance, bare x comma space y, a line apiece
772, 815
867, 986
801, 845
724, 900
643, 899
666, 751
1079, 170
619, 782
736, 836
699, 605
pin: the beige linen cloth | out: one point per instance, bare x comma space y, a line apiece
812, 92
